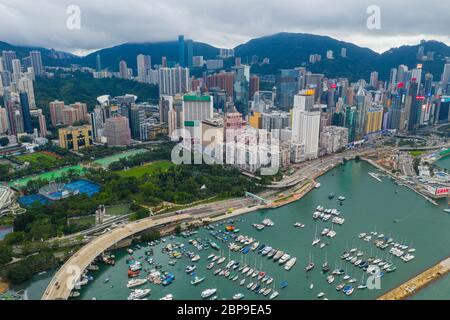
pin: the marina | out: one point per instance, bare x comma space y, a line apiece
397, 216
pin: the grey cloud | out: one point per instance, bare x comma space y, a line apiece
222, 23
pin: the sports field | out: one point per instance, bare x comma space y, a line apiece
105, 162
39, 157
150, 168
49, 176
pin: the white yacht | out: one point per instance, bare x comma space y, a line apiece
136, 283
208, 293
139, 294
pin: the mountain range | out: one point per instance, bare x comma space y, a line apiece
285, 50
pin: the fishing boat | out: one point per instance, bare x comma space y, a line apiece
197, 280
136, 283
208, 293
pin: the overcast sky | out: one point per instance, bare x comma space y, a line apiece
223, 23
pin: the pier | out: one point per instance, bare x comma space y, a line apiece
419, 282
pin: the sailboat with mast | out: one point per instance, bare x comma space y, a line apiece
310, 265
316, 239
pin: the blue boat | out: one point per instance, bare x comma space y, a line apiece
257, 288
347, 288
284, 284
245, 250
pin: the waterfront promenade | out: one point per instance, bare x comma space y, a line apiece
419, 282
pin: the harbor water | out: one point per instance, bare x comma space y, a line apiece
370, 206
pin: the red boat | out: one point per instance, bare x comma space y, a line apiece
133, 274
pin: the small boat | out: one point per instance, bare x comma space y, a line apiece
238, 296
274, 295
310, 266
208, 293
139, 294
340, 286
284, 284
331, 196
317, 186
195, 258
190, 269
197, 280
330, 279
216, 272
321, 295
210, 266
290, 264
167, 297
250, 285
136, 283
242, 282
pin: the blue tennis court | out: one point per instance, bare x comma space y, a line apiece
79, 186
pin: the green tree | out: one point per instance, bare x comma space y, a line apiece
5, 254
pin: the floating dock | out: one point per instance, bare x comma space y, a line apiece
419, 282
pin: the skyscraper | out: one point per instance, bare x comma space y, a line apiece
25, 112
254, 86
98, 62
306, 131
8, 57
195, 110
287, 87
181, 51
445, 78
190, 52
374, 79
241, 87
137, 118
117, 131
36, 63
173, 80
143, 65
26, 84
123, 69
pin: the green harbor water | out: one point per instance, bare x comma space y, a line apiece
370, 206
